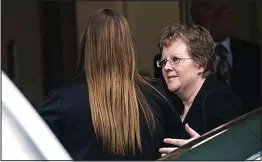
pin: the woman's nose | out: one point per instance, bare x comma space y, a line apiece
168, 67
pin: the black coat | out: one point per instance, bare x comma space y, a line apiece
67, 112
246, 73
214, 105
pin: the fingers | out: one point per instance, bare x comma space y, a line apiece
163, 155
167, 150
177, 142
191, 132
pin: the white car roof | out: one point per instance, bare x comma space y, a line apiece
25, 136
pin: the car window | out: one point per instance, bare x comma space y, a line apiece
238, 139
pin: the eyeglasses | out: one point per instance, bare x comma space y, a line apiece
172, 60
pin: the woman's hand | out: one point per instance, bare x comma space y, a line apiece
178, 142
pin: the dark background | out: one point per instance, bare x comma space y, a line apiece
39, 39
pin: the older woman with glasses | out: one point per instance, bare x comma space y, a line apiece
188, 67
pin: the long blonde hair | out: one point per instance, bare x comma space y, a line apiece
114, 95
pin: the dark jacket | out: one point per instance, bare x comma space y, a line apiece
246, 73
214, 105
67, 112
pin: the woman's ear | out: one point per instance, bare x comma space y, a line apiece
200, 69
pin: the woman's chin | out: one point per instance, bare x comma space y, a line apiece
173, 88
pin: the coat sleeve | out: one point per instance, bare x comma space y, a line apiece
51, 112
221, 107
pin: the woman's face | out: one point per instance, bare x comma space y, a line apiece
181, 73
